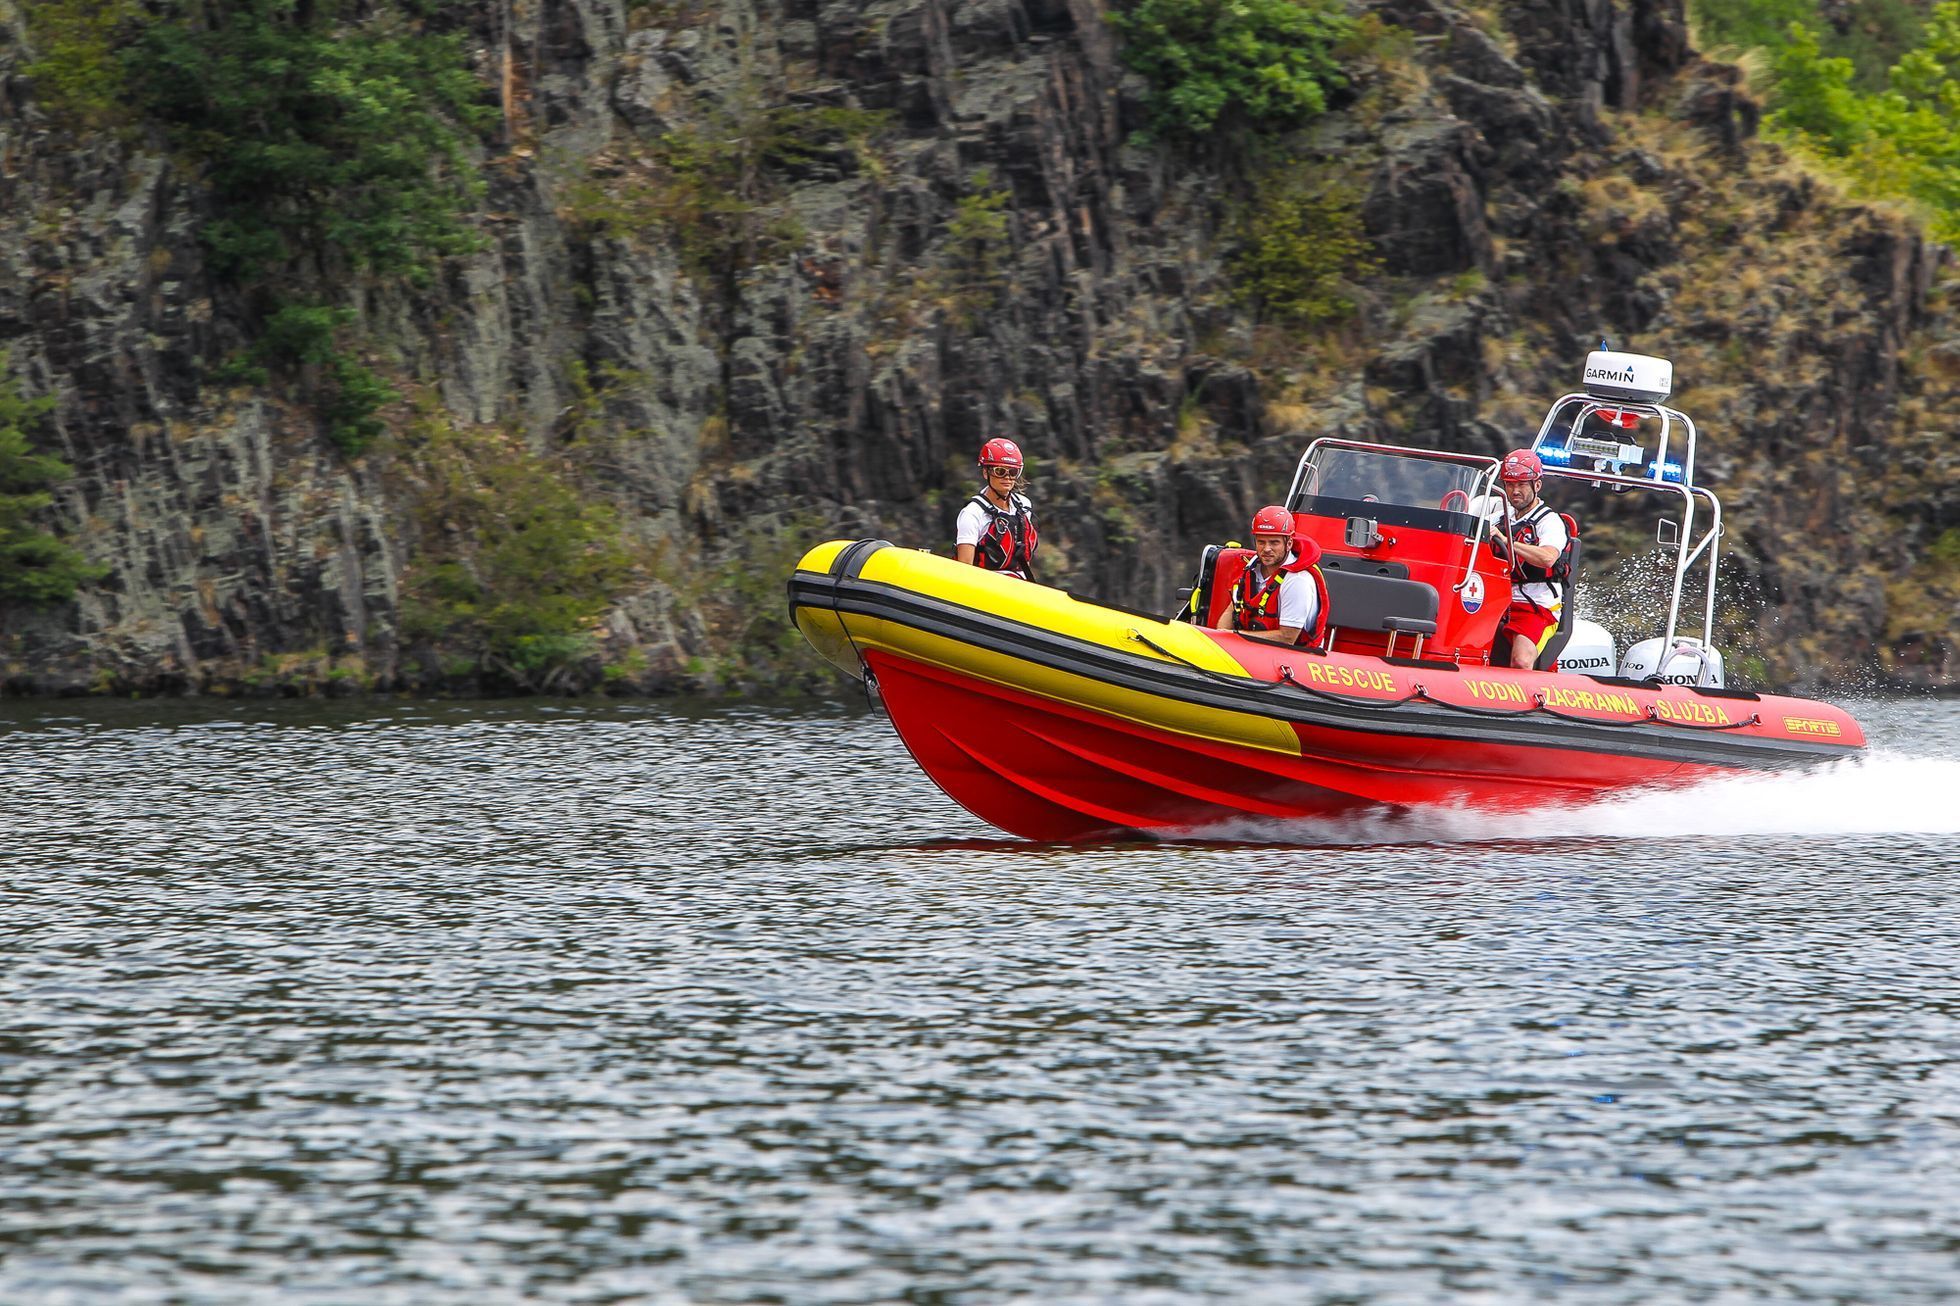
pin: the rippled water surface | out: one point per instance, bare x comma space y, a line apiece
481, 1003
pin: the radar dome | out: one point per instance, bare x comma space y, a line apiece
1630, 378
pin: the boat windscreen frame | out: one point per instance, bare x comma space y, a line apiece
1486, 483
1688, 550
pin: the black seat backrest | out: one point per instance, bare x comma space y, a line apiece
1360, 601
1219, 569
1196, 607
1548, 659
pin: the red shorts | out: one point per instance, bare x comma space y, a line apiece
1531, 621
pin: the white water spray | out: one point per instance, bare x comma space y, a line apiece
1877, 793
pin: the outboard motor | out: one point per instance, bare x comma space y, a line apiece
1590, 650
1689, 662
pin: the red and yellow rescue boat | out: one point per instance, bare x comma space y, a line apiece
1060, 718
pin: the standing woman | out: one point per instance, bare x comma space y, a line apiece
996, 531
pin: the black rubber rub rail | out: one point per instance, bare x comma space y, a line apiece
1180, 680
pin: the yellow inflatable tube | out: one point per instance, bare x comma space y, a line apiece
1006, 604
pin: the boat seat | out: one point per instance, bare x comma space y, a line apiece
1360, 601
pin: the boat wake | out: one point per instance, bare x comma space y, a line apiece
1875, 793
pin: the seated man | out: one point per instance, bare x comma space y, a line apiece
1534, 538
1264, 604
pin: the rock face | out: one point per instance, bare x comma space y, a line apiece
1577, 173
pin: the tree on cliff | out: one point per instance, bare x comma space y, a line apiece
334, 141
34, 566
1263, 65
1887, 121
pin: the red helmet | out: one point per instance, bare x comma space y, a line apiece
999, 452
1521, 465
1272, 520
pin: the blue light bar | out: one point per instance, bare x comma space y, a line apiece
1551, 455
1666, 472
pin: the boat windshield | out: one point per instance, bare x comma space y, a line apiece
1370, 476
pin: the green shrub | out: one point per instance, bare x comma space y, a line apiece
722, 191
613, 207
1262, 65
1750, 23
754, 637
78, 72
1813, 93
35, 567
1872, 34
298, 335
978, 228
717, 190
352, 404
240, 369
302, 342
333, 137
514, 568
1298, 247
628, 669
1903, 142
976, 241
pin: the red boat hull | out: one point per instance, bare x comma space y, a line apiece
1049, 771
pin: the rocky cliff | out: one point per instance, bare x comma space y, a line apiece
976, 245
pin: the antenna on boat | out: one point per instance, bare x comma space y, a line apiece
1621, 392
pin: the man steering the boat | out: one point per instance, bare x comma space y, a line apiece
995, 530
1281, 597
1525, 530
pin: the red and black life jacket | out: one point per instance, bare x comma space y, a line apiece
1009, 542
1256, 607
1526, 532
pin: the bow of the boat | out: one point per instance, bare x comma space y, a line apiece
813, 589
851, 599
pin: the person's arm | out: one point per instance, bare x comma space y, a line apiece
1536, 555
1298, 601
1547, 551
967, 530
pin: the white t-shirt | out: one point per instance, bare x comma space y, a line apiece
1549, 531
974, 519
1299, 597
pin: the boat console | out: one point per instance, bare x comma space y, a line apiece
1404, 532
